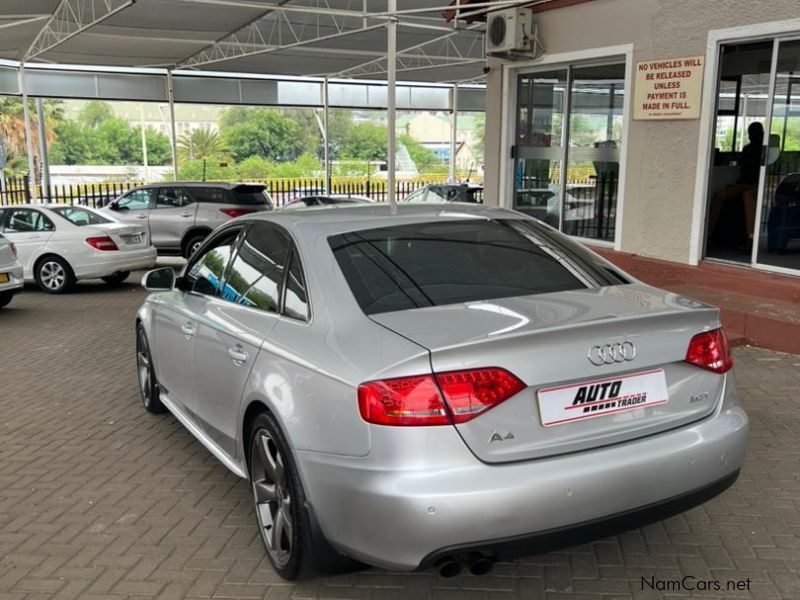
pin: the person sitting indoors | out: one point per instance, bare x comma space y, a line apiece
746, 190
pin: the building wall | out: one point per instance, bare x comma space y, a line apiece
662, 157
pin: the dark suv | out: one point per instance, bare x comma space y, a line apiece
179, 216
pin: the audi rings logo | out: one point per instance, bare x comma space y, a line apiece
608, 354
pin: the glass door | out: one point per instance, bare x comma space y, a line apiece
777, 237
539, 145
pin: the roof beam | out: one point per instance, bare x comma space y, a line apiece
71, 18
22, 21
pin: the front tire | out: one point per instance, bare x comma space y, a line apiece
193, 244
5, 298
148, 384
116, 278
54, 275
279, 501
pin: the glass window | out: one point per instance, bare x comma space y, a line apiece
205, 274
80, 216
173, 197
256, 274
295, 301
135, 200
439, 263
215, 195
25, 220
417, 196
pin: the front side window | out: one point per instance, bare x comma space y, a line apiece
26, 220
206, 274
136, 200
256, 274
439, 263
173, 198
80, 216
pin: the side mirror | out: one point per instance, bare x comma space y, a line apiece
159, 280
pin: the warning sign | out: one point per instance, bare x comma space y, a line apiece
670, 88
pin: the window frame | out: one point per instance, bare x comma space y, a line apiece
294, 252
157, 192
148, 190
6, 216
182, 281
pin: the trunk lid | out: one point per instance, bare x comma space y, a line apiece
126, 236
545, 340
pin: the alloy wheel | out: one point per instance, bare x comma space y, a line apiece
52, 275
195, 247
272, 497
143, 368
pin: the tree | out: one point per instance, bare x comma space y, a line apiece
364, 141
95, 112
265, 132
12, 131
206, 170
201, 143
425, 159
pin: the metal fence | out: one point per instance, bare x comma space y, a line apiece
19, 190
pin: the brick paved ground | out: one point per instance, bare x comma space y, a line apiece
99, 499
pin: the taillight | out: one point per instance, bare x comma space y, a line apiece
709, 350
13, 250
417, 400
237, 212
102, 242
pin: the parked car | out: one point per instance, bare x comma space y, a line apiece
448, 192
58, 245
10, 271
418, 387
543, 204
325, 200
179, 216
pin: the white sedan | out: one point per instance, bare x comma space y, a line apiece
10, 271
59, 245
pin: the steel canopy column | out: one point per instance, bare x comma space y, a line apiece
26, 114
454, 134
391, 114
325, 139
172, 137
43, 159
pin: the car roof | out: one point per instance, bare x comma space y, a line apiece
323, 220
225, 185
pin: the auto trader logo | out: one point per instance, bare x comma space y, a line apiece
604, 396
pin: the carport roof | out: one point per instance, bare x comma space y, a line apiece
342, 38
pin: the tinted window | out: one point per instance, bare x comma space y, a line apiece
215, 195
256, 274
173, 198
25, 220
205, 274
475, 196
439, 263
136, 200
250, 195
417, 196
295, 300
80, 216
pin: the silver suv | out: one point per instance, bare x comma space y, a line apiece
179, 216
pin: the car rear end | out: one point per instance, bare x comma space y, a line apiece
560, 395
113, 248
11, 280
230, 202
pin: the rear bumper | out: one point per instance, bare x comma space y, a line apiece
404, 517
15, 282
101, 264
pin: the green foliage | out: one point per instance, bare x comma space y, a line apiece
364, 141
254, 167
95, 112
202, 143
265, 132
425, 159
206, 170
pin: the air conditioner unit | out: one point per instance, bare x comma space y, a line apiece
509, 31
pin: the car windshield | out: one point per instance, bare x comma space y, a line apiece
449, 262
80, 216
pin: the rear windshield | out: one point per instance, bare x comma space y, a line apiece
80, 216
450, 262
251, 195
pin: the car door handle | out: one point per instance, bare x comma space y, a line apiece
238, 355
188, 330
141, 217
187, 215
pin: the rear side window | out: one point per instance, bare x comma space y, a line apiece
214, 195
449, 262
173, 197
250, 195
295, 299
256, 274
26, 220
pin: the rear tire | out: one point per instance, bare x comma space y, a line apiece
5, 298
54, 275
148, 384
192, 244
116, 278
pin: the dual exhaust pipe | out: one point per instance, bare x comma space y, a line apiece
475, 562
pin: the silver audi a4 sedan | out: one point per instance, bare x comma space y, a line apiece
441, 385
